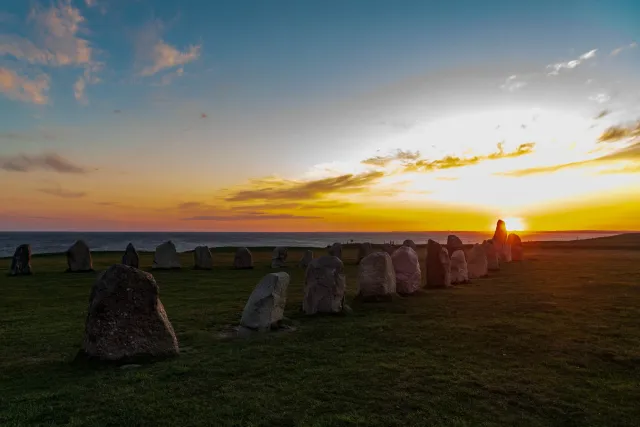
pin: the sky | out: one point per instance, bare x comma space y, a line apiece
332, 115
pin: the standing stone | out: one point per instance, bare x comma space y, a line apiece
21, 261
459, 270
306, 259
454, 243
126, 321
166, 257
336, 250
503, 249
407, 268
516, 247
265, 308
477, 263
324, 286
411, 244
202, 259
363, 250
131, 257
388, 248
279, 257
376, 278
79, 258
243, 259
493, 263
438, 266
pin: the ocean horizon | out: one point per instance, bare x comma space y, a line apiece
45, 242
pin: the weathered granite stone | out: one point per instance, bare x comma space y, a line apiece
21, 261
437, 266
324, 286
79, 258
243, 259
407, 268
279, 257
131, 257
166, 257
265, 308
202, 259
376, 277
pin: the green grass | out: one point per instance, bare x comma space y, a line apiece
554, 340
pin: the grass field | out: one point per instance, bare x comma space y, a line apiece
554, 340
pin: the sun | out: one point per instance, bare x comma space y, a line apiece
515, 224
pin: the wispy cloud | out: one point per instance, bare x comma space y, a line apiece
248, 216
400, 155
512, 84
600, 98
154, 54
618, 133
65, 194
557, 67
602, 114
304, 190
619, 50
21, 88
48, 162
78, 90
168, 78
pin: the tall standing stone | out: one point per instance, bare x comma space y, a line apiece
243, 259
131, 257
79, 258
21, 261
166, 257
324, 286
459, 269
438, 266
411, 244
477, 263
376, 277
407, 268
336, 250
265, 308
503, 249
306, 259
516, 247
126, 321
363, 250
454, 243
202, 259
493, 262
279, 257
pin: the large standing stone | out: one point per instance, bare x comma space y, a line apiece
438, 266
454, 243
131, 257
516, 247
279, 257
243, 259
126, 320
376, 277
503, 249
336, 250
324, 286
459, 270
202, 259
407, 268
363, 250
265, 307
306, 259
21, 261
166, 257
79, 257
493, 263
411, 244
477, 262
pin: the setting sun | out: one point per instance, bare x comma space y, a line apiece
515, 224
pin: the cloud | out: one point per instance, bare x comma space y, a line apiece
154, 54
451, 162
192, 205
91, 3
618, 133
59, 192
248, 216
617, 51
602, 114
600, 98
400, 155
51, 162
78, 91
304, 190
168, 78
557, 67
23, 89
512, 85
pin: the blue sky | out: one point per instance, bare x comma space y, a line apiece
230, 91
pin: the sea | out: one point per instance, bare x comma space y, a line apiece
44, 242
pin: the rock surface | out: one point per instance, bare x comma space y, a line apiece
79, 257
131, 257
126, 321
516, 247
306, 259
21, 261
454, 243
336, 250
279, 257
437, 266
202, 259
477, 263
363, 250
388, 248
459, 270
407, 268
324, 286
503, 249
265, 308
166, 257
411, 244
376, 277
493, 263
243, 259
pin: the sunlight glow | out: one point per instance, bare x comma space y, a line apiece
514, 224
